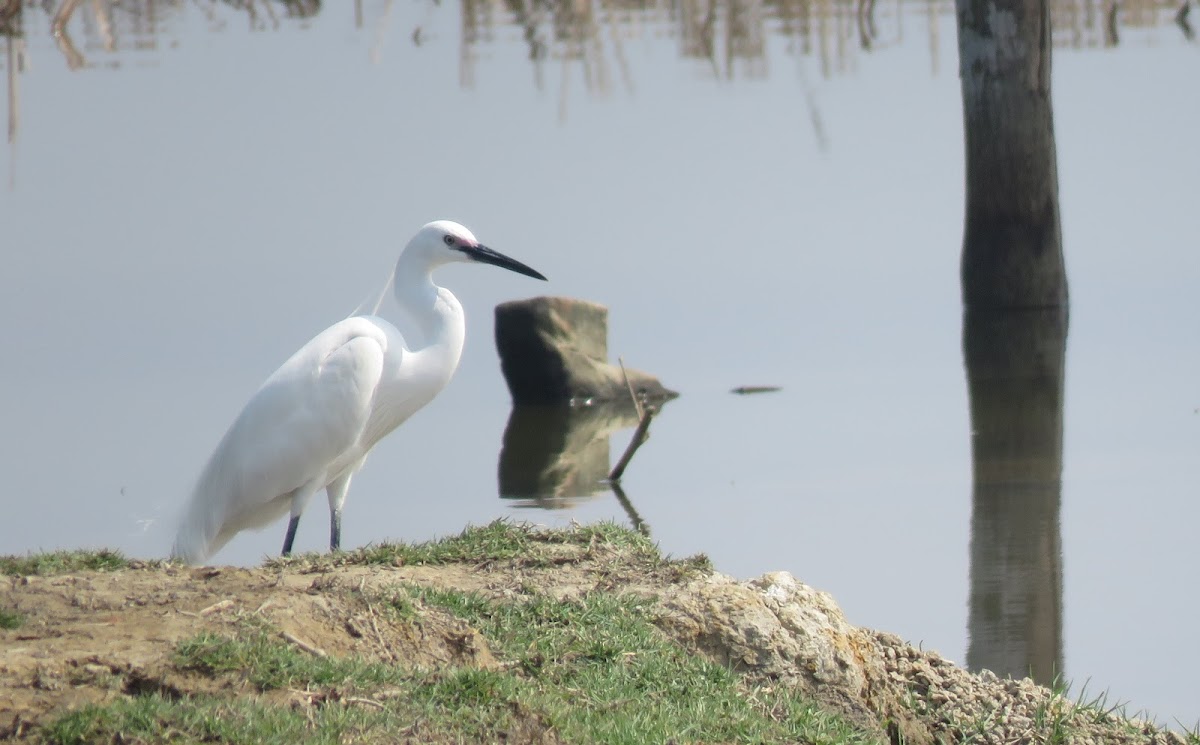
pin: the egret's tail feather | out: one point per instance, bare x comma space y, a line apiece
220, 509
189, 550
199, 535
194, 541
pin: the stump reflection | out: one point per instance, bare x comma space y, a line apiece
554, 455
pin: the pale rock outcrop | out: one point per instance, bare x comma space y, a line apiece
778, 628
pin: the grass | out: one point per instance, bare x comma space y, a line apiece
497, 542
10, 619
61, 562
502, 544
259, 657
599, 671
154, 718
587, 669
1192, 734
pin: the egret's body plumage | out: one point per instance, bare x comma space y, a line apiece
313, 422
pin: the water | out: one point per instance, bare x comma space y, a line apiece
207, 190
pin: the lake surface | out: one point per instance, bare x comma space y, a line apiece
763, 194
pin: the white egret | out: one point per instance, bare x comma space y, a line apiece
313, 422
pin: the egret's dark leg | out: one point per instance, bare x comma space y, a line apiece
335, 530
337, 497
291, 535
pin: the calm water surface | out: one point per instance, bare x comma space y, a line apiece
192, 193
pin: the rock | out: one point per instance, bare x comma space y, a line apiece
778, 628
554, 350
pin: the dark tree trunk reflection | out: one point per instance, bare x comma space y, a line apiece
1015, 365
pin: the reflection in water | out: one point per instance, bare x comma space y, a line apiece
14, 54
554, 456
1181, 19
730, 36
62, 39
1015, 364
639, 524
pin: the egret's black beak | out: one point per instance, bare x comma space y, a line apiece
486, 255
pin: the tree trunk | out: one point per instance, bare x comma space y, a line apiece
1012, 242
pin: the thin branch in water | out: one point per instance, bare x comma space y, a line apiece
272, 14
381, 29
1181, 18
637, 403
619, 50
14, 90
102, 12
640, 435
1112, 35
58, 29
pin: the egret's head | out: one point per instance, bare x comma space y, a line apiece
443, 242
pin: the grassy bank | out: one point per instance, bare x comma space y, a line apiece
502, 633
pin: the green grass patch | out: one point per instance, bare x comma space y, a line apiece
598, 670
62, 562
270, 663
154, 718
446, 706
10, 619
502, 540
505, 542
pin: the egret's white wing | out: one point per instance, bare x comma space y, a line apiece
305, 420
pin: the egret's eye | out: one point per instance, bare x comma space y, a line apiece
448, 240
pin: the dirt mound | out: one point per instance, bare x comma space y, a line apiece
90, 637
95, 636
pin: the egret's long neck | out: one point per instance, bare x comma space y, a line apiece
434, 310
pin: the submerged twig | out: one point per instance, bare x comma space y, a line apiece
640, 435
62, 39
14, 91
637, 403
